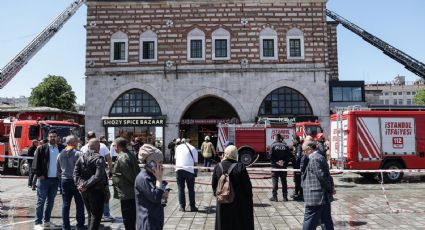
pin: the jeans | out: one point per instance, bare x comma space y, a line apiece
275, 177
30, 175
93, 200
128, 211
46, 190
182, 177
106, 211
315, 214
207, 162
69, 190
297, 181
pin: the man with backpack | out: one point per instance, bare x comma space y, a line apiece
233, 190
208, 151
280, 155
90, 179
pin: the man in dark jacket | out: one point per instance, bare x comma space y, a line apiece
172, 148
47, 180
318, 188
279, 157
298, 154
65, 168
124, 174
150, 190
31, 151
90, 179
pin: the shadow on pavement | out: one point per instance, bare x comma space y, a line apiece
261, 205
350, 223
208, 210
376, 180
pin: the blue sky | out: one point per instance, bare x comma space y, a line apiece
400, 23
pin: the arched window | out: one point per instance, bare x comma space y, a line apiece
135, 102
295, 44
148, 46
221, 44
268, 44
285, 101
195, 45
119, 47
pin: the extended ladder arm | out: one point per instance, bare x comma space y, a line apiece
409, 62
16, 64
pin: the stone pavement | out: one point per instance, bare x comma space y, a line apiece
359, 204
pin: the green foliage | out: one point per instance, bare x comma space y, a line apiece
420, 97
53, 91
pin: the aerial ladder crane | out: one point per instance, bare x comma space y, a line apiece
20, 60
409, 62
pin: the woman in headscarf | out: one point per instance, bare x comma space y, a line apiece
240, 213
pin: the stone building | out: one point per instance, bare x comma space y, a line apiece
164, 69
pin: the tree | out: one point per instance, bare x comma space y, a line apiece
420, 97
54, 91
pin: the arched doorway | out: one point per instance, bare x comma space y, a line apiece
286, 102
201, 118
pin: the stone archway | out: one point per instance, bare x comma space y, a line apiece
201, 117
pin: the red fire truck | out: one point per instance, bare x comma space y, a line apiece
368, 140
16, 137
253, 140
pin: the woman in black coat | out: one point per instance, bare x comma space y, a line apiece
240, 213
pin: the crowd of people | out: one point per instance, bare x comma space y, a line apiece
82, 173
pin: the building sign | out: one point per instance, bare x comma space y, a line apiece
203, 121
123, 122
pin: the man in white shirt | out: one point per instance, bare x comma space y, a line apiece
186, 157
103, 151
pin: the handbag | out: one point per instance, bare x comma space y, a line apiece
195, 170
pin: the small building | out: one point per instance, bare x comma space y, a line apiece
41, 113
345, 94
397, 92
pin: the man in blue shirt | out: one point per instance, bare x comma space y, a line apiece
47, 181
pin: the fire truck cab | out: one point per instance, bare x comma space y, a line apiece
17, 135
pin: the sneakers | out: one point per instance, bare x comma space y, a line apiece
274, 198
108, 218
285, 198
181, 209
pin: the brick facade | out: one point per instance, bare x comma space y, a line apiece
244, 87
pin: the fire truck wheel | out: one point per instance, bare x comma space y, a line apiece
24, 168
246, 157
393, 177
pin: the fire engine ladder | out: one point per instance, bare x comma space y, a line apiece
409, 62
16, 64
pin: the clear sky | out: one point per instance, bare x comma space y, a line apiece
400, 23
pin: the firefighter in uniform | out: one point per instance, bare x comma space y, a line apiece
280, 155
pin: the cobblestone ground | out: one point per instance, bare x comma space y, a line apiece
359, 204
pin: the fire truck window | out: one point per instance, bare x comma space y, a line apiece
18, 131
33, 132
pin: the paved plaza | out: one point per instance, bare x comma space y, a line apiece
359, 204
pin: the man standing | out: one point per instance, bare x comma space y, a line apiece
47, 180
31, 151
124, 174
172, 148
279, 157
90, 179
298, 154
65, 169
186, 158
104, 152
208, 151
318, 189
